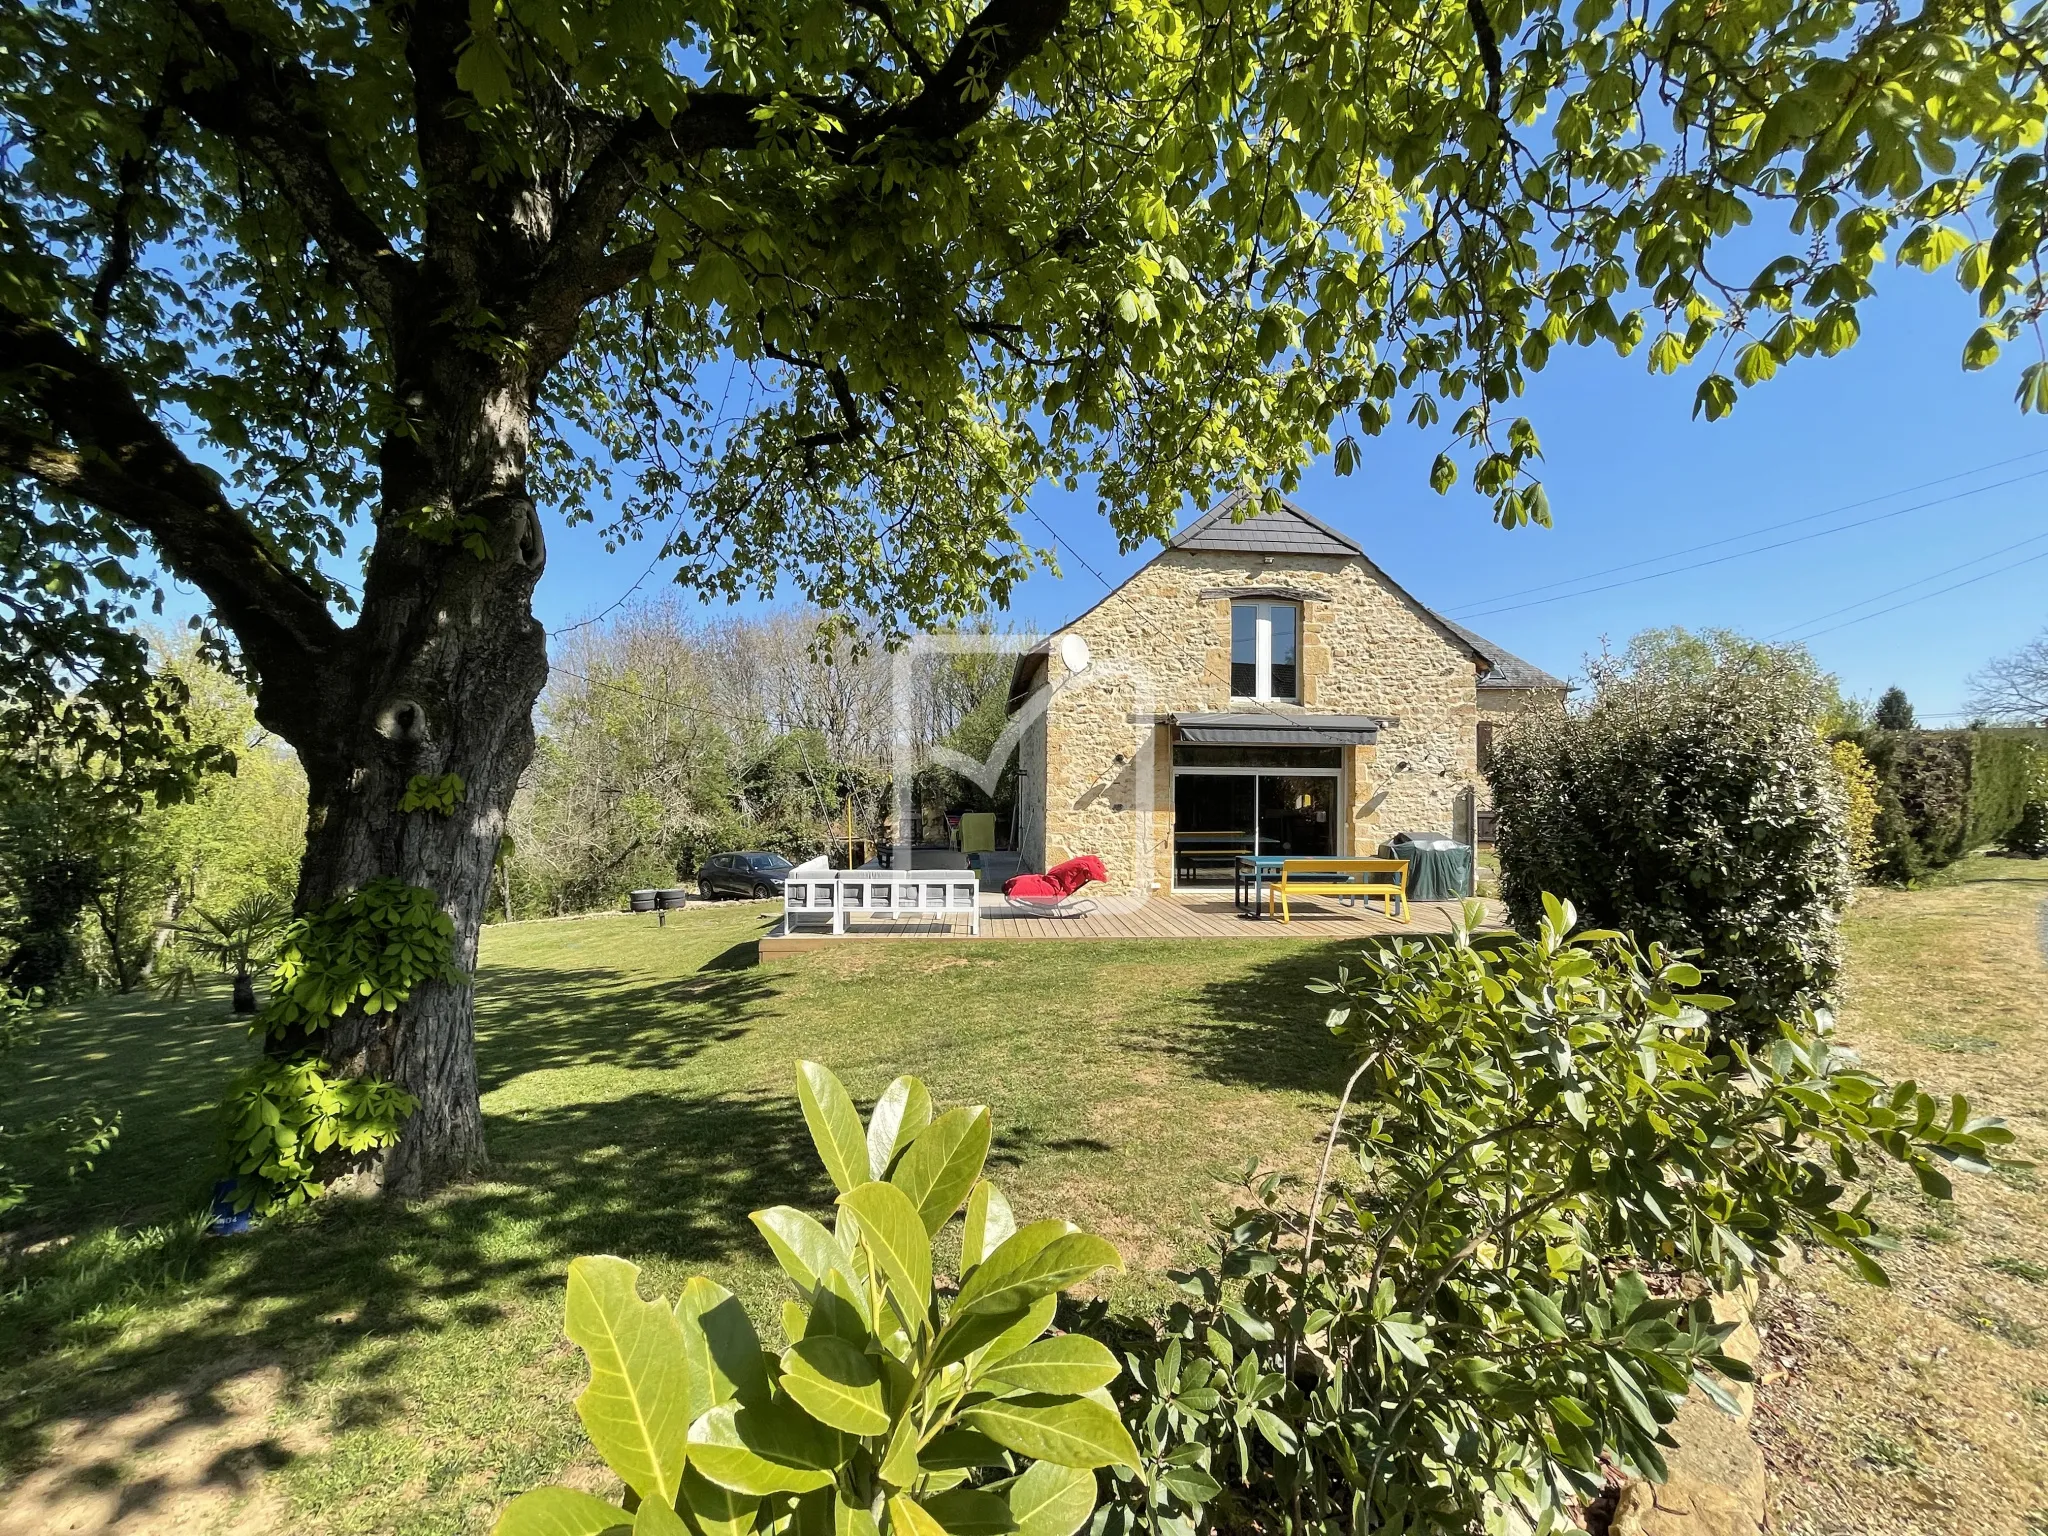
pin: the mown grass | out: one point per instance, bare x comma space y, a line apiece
637, 1088
1923, 1409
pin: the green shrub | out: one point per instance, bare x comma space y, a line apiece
891, 1410
1703, 809
1502, 1281
1943, 793
2029, 835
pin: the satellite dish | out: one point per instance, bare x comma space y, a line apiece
1074, 652
1373, 804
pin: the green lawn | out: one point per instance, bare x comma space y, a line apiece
402, 1370
1922, 1410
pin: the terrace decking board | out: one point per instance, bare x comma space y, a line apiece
1161, 917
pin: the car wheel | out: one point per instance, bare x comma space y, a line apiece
704, 890
764, 893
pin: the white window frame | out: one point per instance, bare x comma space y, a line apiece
1262, 649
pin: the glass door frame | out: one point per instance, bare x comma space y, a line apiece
1339, 834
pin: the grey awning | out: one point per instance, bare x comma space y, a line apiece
1261, 729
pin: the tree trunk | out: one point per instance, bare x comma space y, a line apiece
438, 676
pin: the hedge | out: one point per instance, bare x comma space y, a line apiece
1943, 793
1706, 814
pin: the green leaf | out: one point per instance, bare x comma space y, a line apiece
722, 1352
907, 1517
1074, 1432
1715, 396
560, 1512
759, 1451
1037, 1260
903, 1110
943, 1163
838, 1309
1052, 1500
995, 1335
1191, 1483
970, 1512
895, 1236
838, 1384
656, 1517
1541, 1311
835, 1125
1982, 349
717, 1511
636, 1409
1072, 1363
953, 1449
802, 1246
988, 1224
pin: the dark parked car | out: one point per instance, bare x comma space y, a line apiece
758, 875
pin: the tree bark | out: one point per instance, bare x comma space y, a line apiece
438, 676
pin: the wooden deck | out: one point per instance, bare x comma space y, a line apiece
1161, 917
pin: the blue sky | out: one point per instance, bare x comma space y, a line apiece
1631, 477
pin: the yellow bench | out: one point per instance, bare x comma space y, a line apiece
1341, 877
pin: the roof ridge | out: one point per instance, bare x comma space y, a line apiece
1218, 518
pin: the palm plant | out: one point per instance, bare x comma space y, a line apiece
236, 939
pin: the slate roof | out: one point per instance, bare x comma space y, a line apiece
1504, 668
1287, 531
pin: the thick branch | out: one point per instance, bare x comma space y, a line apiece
969, 81
109, 453
268, 106
435, 32
579, 268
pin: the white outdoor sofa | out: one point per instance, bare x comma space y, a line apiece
837, 894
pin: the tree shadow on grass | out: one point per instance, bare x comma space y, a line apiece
655, 1177
532, 1019
1262, 1028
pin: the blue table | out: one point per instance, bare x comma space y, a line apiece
1252, 870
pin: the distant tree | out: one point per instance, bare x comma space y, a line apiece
2014, 687
1894, 711
1686, 658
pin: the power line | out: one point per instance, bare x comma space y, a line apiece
1063, 544
1736, 538
1761, 549
1923, 597
1909, 586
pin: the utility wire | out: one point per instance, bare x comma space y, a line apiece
1063, 544
1876, 597
1923, 597
1737, 538
1761, 549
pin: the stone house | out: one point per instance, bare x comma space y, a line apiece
1259, 683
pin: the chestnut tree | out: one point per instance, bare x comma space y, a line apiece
819, 290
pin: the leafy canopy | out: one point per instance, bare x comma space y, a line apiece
836, 282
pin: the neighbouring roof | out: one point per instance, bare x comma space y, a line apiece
1285, 531
1504, 669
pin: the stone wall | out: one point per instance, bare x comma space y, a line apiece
1161, 646
1500, 707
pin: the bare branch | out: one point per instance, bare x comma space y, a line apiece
2015, 686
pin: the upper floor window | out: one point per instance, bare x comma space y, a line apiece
1265, 647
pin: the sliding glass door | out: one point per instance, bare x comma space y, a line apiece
1221, 813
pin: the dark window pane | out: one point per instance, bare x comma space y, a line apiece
1244, 650
1212, 826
